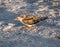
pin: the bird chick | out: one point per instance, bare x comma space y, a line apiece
30, 20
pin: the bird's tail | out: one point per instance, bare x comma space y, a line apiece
43, 18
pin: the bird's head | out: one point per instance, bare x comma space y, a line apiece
21, 17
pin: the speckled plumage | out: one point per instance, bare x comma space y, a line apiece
30, 20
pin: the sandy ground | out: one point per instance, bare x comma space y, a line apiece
45, 34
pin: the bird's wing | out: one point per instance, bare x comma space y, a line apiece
28, 21
31, 21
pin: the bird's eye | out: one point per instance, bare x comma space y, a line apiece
21, 16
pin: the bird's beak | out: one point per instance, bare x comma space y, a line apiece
15, 19
18, 18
